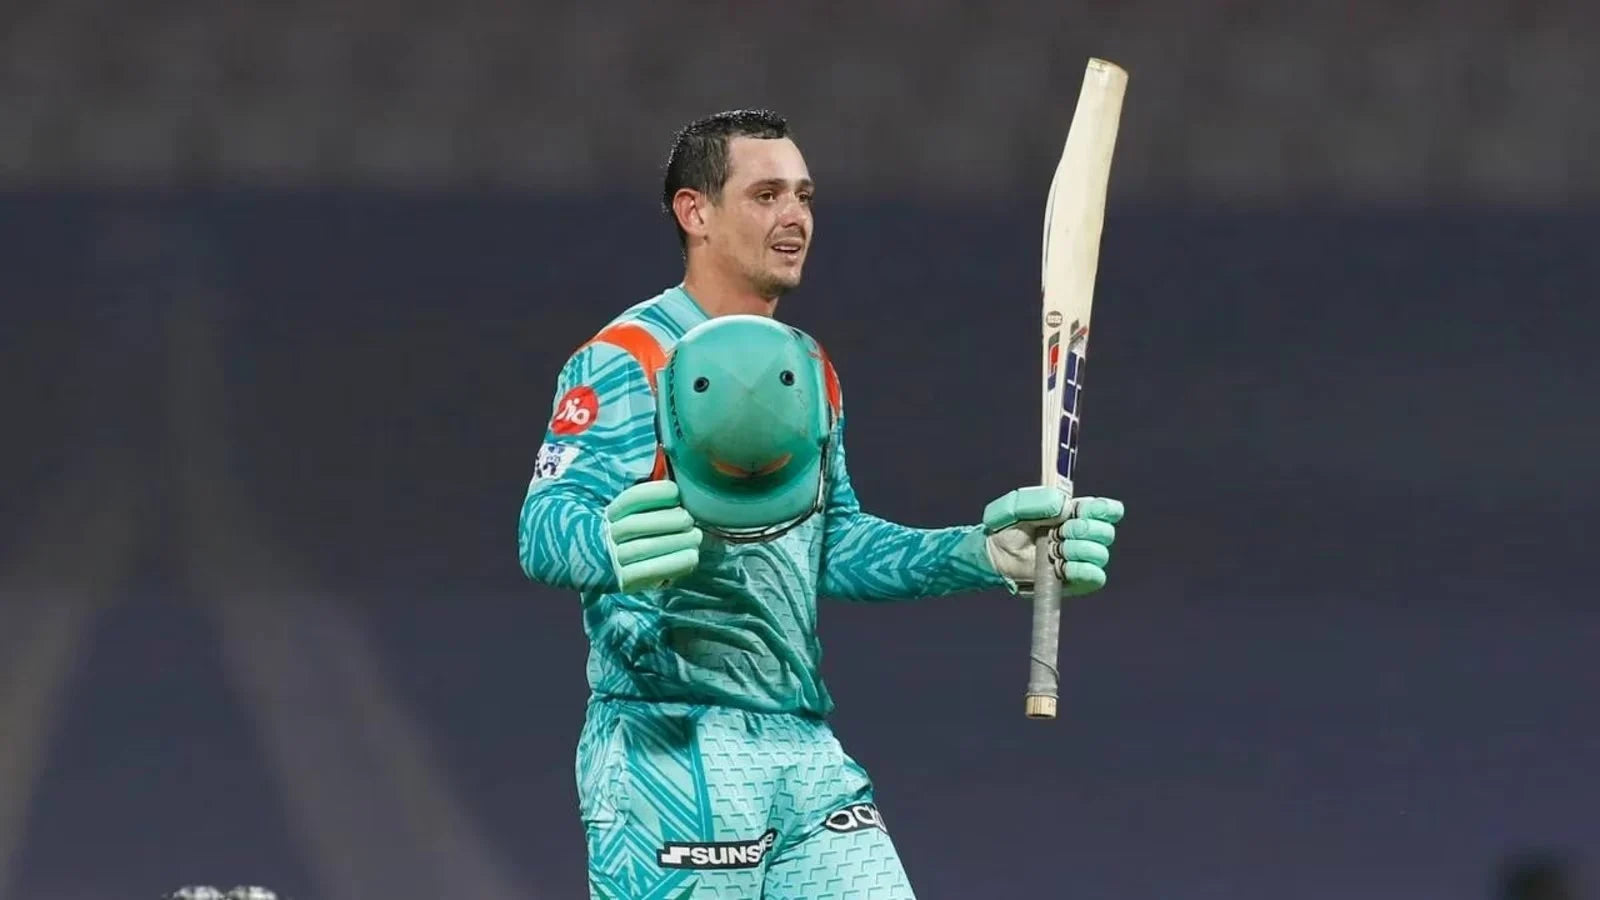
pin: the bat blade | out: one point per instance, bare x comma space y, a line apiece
1073, 221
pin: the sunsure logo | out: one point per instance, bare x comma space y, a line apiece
717, 854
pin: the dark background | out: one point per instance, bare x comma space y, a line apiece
267, 426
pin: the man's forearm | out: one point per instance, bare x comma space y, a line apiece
561, 541
866, 558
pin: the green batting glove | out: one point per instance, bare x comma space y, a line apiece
1083, 536
651, 538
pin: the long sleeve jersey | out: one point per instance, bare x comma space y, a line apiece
742, 629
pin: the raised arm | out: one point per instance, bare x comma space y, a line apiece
600, 440
866, 558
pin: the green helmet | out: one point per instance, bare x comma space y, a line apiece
745, 423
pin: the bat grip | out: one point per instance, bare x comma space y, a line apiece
1044, 679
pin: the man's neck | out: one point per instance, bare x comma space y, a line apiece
722, 295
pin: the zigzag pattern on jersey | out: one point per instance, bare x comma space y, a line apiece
742, 630
663, 781
867, 558
580, 556
560, 538
666, 316
870, 559
861, 865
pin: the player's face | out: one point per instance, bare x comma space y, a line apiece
762, 224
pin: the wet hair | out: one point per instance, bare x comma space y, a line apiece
699, 158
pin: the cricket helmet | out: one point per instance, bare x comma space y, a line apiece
745, 422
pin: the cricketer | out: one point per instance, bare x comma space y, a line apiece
692, 487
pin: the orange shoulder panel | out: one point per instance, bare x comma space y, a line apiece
831, 379
647, 352
640, 344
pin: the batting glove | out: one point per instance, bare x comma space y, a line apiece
1081, 534
650, 536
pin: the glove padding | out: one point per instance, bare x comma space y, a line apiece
1082, 533
651, 538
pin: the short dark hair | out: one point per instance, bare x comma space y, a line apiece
699, 158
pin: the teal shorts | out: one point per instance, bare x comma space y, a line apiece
682, 801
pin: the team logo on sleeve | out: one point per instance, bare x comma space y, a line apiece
575, 411
855, 817
553, 460
716, 855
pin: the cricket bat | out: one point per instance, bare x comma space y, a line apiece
1073, 218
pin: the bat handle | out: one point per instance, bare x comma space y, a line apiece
1044, 679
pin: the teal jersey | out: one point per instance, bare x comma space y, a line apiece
742, 630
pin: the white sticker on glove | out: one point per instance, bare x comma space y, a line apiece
553, 461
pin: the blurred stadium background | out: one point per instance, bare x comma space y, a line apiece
287, 286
